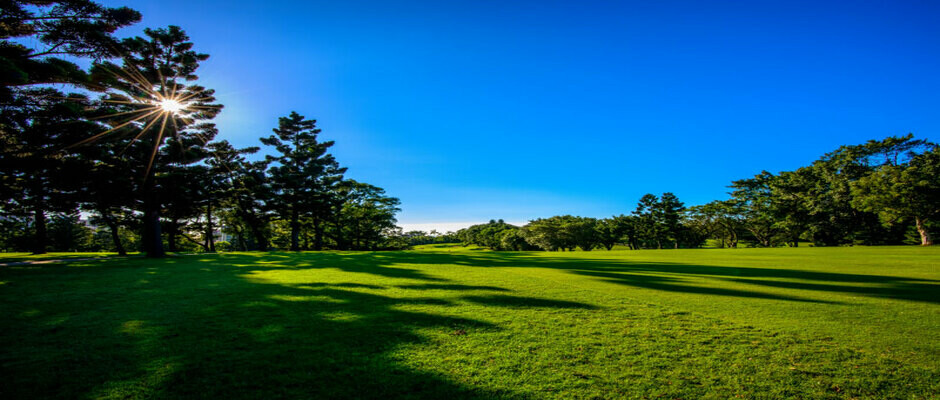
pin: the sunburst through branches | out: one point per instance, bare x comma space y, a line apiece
161, 109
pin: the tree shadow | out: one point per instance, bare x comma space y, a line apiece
671, 277
440, 286
207, 327
525, 302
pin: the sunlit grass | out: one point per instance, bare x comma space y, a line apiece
447, 322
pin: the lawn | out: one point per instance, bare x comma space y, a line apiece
447, 322
6, 258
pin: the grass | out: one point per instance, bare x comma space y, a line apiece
22, 257
445, 322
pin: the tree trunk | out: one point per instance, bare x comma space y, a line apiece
294, 231
39, 242
925, 238
152, 234
210, 233
171, 235
260, 240
317, 234
115, 237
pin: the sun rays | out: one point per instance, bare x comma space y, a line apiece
160, 108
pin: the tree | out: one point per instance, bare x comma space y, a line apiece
718, 219
610, 231
903, 192
791, 212
160, 67
549, 234
514, 240
304, 173
365, 216
244, 195
107, 188
77, 28
669, 210
649, 228
754, 201
223, 183
658, 220
38, 177
489, 235
583, 232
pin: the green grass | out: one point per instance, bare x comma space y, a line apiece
445, 322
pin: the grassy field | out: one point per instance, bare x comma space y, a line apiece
21, 257
449, 322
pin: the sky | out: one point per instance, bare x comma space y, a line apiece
479, 110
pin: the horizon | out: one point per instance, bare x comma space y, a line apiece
470, 112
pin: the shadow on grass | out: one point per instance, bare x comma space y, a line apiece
206, 327
439, 286
500, 300
673, 276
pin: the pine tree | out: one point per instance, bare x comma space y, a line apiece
165, 63
302, 175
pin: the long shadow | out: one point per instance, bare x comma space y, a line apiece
444, 286
206, 327
666, 284
898, 290
501, 300
643, 274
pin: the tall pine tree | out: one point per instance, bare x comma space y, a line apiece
302, 176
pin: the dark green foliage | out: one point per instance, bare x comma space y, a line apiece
901, 192
364, 217
303, 176
76, 28
658, 221
859, 194
489, 235
38, 178
416, 238
611, 231
68, 233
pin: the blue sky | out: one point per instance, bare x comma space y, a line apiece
475, 110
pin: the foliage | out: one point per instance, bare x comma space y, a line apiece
302, 176
903, 192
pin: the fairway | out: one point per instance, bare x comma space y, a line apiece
449, 322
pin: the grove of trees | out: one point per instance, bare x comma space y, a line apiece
879, 192
77, 148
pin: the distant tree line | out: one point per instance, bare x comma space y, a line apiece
80, 171
417, 238
879, 192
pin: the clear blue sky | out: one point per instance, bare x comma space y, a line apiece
509, 109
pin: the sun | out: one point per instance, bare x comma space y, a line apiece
171, 106
154, 106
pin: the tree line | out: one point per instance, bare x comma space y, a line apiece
129, 142
877, 193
